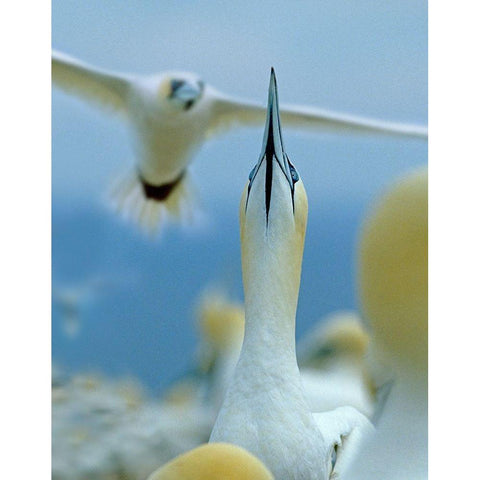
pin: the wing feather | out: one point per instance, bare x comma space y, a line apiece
230, 112
98, 86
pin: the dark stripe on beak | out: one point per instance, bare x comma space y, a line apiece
272, 148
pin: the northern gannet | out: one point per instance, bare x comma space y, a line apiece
170, 115
265, 410
214, 461
333, 364
221, 324
393, 291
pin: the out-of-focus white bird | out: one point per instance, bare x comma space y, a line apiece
332, 360
71, 299
214, 461
393, 290
265, 410
221, 323
170, 115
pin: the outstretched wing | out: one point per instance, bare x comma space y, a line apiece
100, 87
228, 112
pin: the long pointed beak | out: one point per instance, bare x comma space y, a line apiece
272, 135
272, 147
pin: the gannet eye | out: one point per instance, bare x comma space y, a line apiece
250, 175
293, 173
184, 94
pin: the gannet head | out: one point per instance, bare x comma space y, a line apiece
273, 213
393, 271
214, 461
341, 335
180, 91
220, 320
221, 324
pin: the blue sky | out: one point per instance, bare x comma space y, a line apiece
362, 57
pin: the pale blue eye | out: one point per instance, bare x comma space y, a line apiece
250, 175
293, 173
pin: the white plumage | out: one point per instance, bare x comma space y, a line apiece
265, 410
393, 290
331, 357
170, 115
332, 360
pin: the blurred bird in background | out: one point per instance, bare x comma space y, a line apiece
332, 357
332, 361
214, 461
170, 116
392, 284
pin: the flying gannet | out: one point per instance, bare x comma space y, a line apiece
171, 115
214, 461
265, 410
393, 291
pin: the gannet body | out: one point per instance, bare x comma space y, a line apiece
393, 288
332, 360
265, 410
170, 115
214, 461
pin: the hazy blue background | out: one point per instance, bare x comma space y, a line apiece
363, 57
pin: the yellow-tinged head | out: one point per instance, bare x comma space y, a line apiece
214, 461
180, 90
393, 269
340, 335
273, 218
221, 322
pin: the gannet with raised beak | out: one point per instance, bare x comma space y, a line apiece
170, 115
265, 410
